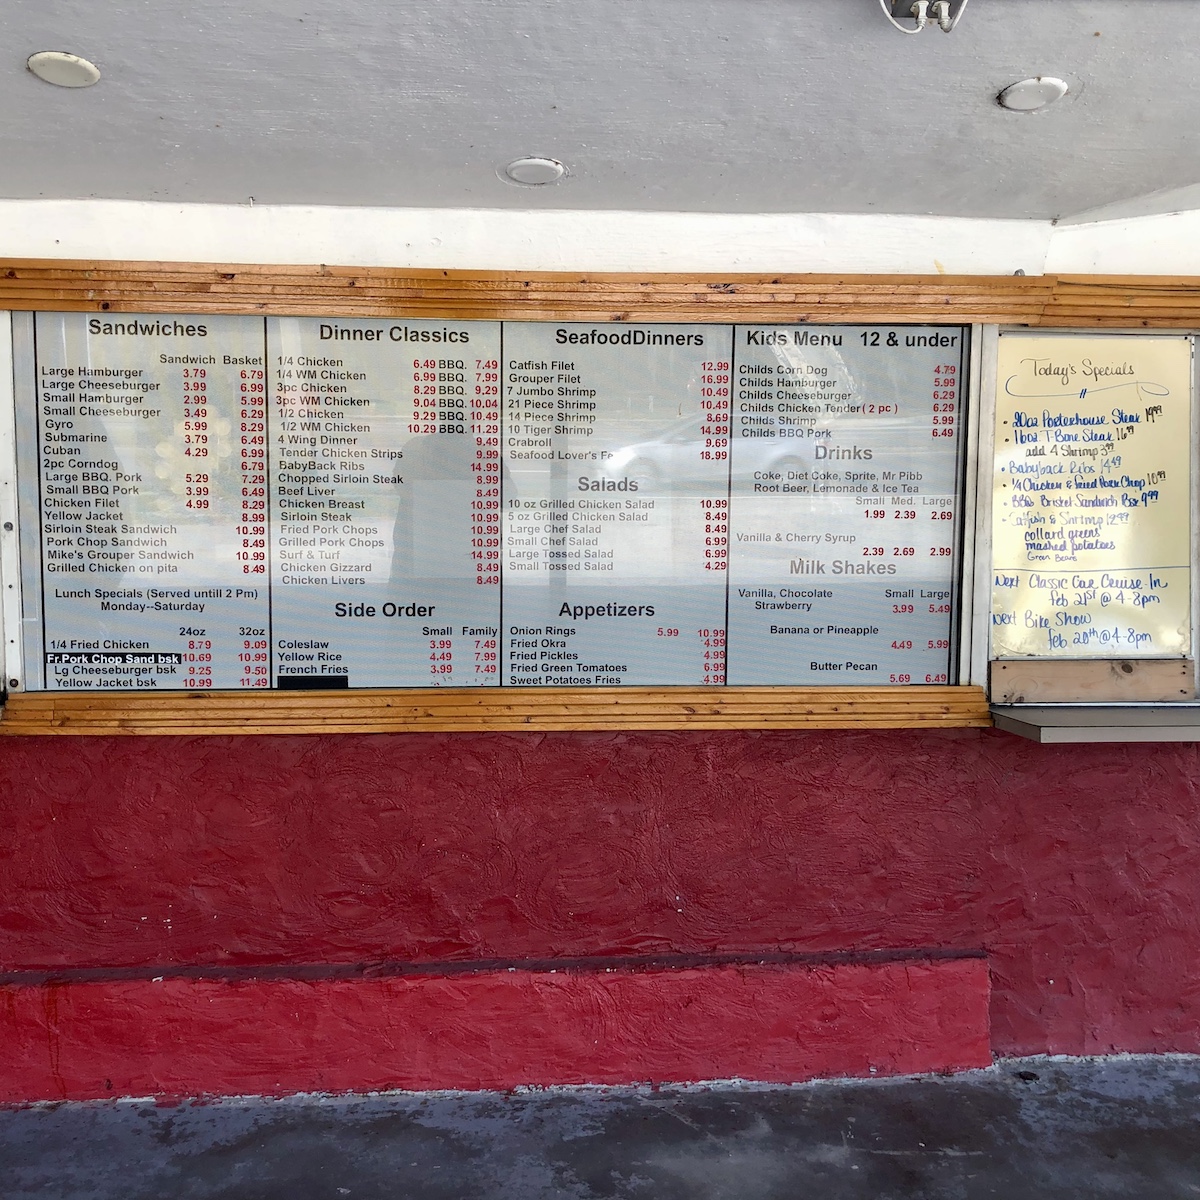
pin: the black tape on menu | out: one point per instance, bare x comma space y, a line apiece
296, 683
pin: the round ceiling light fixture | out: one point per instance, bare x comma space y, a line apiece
63, 69
1031, 94
532, 171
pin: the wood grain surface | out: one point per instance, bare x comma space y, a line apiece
439, 710
1036, 300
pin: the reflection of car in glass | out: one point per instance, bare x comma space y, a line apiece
677, 457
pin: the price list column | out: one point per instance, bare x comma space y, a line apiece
150, 497
254, 655
616, 459
845, 490
384, 443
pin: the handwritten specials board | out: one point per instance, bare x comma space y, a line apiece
1091, 538
239, 502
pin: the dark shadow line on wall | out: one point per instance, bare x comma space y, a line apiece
319, 972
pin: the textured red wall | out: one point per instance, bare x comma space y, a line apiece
1076, 869
490, 1029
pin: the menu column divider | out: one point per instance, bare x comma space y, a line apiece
41, 667
270, 514
501, 640
729, 493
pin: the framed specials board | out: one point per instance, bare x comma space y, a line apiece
231, 502
1092, 541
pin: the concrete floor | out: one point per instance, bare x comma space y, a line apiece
1030, 1128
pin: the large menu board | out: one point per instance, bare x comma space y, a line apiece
240, 502
1092, 496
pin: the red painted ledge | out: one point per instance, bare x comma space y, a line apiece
491, 1030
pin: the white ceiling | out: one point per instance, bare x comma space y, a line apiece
703, 105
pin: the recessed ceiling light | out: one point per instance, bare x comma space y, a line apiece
62, 69
1032, 94
534, 172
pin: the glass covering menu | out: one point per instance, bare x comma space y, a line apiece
616, 501
844, 505
233, 502
150, 465
385, 501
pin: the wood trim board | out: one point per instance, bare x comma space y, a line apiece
1051, 301
1092, 681
509, 710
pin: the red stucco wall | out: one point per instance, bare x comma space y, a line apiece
1077, 869
490, 1029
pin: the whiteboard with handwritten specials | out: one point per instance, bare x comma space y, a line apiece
1091, 541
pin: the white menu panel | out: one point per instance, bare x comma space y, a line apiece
148, 467
845, 504
385, 501
615, 508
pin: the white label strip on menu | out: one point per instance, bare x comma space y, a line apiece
233, 502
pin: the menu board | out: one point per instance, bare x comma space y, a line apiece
1091, 538
844, 505
240, 502
616, 499
384, 524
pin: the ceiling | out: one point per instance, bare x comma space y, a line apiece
702, 105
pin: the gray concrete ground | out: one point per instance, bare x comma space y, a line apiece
1126, 1127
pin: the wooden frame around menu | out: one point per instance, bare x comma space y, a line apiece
1088, 302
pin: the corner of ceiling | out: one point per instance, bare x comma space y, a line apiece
1154, 243
1148, 204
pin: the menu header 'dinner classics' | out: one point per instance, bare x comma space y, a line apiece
239, 502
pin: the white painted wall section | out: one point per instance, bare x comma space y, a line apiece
1168, 244
520, 240
561, 240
